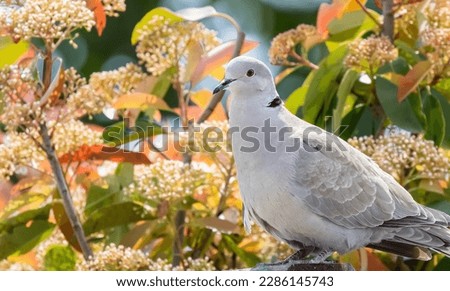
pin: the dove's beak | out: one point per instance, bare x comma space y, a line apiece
223, 85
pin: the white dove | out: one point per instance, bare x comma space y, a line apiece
313, 190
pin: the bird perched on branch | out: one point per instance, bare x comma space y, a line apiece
311, 189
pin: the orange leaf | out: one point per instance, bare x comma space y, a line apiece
101, 152
96, 6
219, 56
328, 12
409, 82
202, 98
141, 101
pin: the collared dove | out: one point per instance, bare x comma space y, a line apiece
313, 190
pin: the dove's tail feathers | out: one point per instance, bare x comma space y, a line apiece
416, 241
402, 249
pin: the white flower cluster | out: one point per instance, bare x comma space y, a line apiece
71, 135
112, 7
170, 180
401, 155
163, 45
103, 88
120, 258
51, 20
16, 152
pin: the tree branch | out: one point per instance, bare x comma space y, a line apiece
57, 169
388, 19
64, 192
364, 8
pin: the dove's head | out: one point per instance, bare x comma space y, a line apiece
246, 76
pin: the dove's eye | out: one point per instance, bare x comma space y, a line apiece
250, 73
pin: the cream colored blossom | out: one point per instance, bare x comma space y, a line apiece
437, 13
116, 258
18, 89
18, 151
71, 135
103, 88
168, 179
367, 55
406, 20
120, 258
50, 20
163, 45
283, 49
437, 44
112, 7
405, 156
6, 265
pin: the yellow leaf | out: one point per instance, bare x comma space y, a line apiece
202, 98
141, 101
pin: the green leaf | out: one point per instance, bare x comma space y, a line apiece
9, 224
361, 121
398, 66
21, 233
117, 134
23, 238
60, 258
445, 105
435, 129
323, 85
125, 174
296, 99
159, 11
163, 83
248, 258
408, 114
114, 215
344, 90
98, 197
10, 52
407, 52
351, 25
443, 87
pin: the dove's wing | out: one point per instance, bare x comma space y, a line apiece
347, 187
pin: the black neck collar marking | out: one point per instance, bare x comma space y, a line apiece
275, 102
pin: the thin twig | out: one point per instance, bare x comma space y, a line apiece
388, 19
64, 192
303, 60
153, 147
57, 169
364, 8
218, 97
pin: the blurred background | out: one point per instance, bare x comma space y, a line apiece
261, 20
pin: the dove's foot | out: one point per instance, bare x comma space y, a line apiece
296, 262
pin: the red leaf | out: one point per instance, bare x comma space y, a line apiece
101, 152
99, 12
217, 57
328, 12
409, 82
